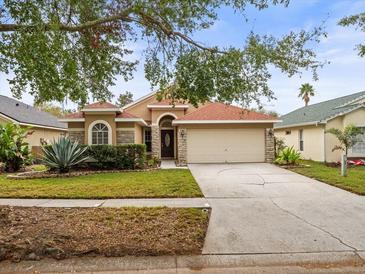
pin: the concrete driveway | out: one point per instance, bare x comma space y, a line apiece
260, 208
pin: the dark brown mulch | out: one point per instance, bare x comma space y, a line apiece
29, 233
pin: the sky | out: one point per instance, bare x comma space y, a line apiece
342, 76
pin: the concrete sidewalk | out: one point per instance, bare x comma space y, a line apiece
173, 202
323, 262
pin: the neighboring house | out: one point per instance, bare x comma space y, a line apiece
212, 133
43, 125
305, 128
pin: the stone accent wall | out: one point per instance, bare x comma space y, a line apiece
269, 145
156, 142
78, 136
125, 137
182, 146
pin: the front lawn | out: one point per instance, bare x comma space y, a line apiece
354, 182
146, 184
33, 233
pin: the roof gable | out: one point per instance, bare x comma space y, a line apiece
321, 112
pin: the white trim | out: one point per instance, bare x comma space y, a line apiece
179, 122
76, 129
101, 109
30, 125
165, 114
110, 132
298, 125
72, 120
168, 106
137, 120
126, 129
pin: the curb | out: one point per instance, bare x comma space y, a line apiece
322, 262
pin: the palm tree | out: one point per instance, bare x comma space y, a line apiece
347, 139
305, 92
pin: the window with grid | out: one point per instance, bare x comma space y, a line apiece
148, 139
100, 134
359, 147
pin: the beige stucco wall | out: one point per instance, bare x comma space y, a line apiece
125, 125
47, 134
357, 118
158, 114
38, 133
331, 141
76, 125
138, 134
141, 110
313, 137
318, 145
109, 118
3, 121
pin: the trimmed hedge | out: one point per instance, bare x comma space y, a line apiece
121, 156
131, 156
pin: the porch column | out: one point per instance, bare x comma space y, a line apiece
269, 145
156, 142
182, 146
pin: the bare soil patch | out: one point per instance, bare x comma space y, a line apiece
30, 233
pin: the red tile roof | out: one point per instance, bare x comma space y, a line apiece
74, 115
101, 105
220, 111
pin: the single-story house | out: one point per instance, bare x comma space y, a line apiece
43, 126
211, 133
305, 127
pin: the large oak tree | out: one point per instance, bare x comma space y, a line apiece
74, 50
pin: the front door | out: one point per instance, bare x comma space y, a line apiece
167, 143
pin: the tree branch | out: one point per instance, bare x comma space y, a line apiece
146, 21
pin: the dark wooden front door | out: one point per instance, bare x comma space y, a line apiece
167, 143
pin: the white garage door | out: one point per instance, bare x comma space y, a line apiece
225, 145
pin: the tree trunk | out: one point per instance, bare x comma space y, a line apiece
344, 165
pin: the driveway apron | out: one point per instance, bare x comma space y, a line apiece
259, 208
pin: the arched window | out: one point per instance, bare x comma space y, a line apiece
100, 134
166, 123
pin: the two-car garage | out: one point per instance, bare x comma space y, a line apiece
225, 145
220, 133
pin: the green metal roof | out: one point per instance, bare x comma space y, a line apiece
321, 112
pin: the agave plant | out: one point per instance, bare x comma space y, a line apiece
63, 154
288, 156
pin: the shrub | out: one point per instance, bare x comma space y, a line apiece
288, 156
63, 154
279, 144
121, 156
104, 155
14, 151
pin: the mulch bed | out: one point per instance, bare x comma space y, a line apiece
73, 173
30, 233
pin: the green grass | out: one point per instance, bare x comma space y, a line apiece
354, 182
149, 184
